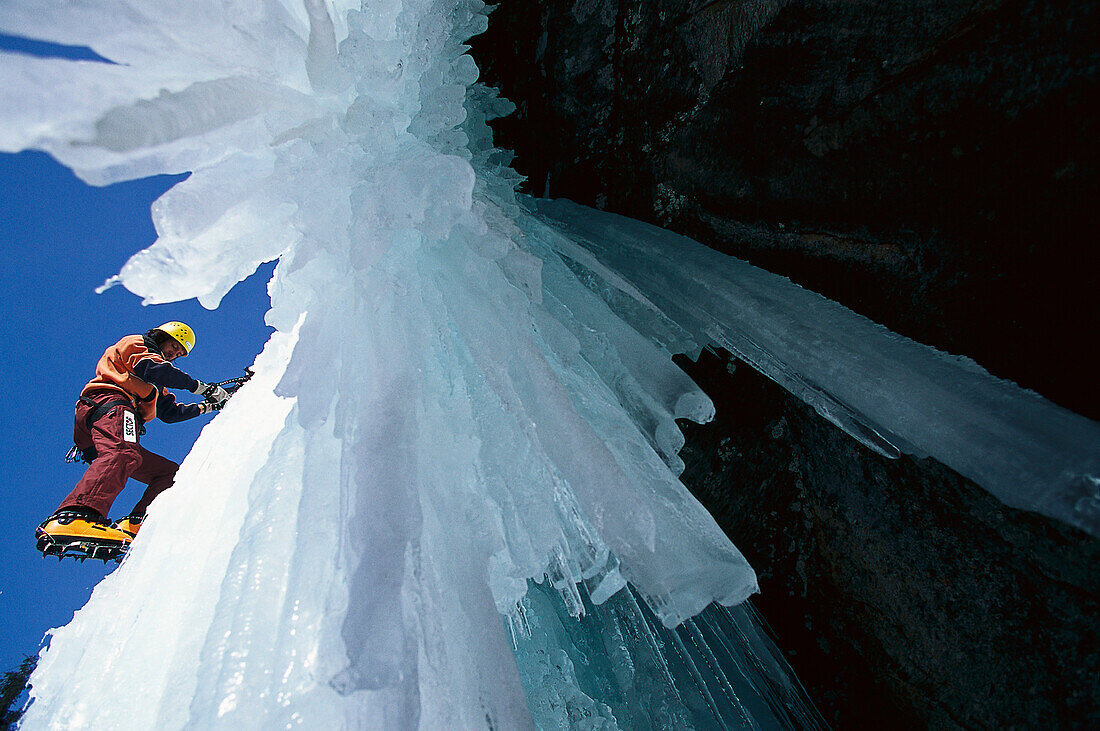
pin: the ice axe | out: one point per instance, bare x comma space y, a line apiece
232, 384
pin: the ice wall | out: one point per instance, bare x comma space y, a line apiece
441, 417
619, 667
890, 393
461, 397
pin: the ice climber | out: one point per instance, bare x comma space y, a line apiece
130, 388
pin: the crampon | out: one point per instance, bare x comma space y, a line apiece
67, 534
81, 549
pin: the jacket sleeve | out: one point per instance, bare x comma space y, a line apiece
158, 372
170, 411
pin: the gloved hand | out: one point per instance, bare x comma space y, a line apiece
213, 394
205, 407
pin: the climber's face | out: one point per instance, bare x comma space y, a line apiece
171, 350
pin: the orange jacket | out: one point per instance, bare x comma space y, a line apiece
115, 372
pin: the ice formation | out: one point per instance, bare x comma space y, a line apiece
888, 392
461, 417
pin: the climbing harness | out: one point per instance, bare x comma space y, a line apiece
87, 454
99, 410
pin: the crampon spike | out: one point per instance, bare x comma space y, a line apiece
81, 550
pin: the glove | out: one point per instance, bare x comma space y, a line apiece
213, 394
205, 407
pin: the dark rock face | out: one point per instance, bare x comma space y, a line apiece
929, 164
904, 595
932, 165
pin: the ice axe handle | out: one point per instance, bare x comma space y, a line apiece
233, 384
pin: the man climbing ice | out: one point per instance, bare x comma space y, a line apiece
130, 388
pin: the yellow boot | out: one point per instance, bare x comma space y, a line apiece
130, 524
81, 533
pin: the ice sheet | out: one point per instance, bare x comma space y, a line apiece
443, 415
892, 394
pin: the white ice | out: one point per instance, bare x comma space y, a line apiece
446, 412
439, 425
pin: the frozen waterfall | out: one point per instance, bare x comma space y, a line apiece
889, 393
450, 496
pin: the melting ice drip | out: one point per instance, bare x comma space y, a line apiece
458, 401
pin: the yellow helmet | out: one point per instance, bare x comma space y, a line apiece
181, 333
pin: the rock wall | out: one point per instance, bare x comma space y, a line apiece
931, 165
904, 595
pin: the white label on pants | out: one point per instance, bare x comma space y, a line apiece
129, 429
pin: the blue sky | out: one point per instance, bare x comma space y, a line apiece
61, 240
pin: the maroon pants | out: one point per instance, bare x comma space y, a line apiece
118, 458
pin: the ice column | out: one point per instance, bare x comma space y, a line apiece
444, 415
